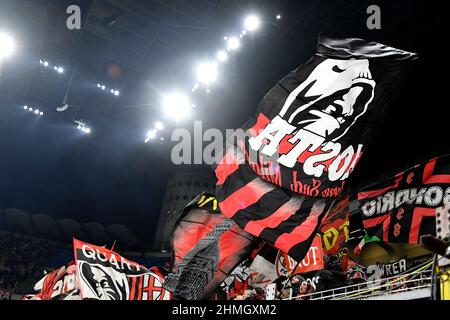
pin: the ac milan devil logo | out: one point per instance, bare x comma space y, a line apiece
331, 99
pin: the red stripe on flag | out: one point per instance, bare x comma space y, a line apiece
261, 122
228, 164
429, 178
302, 232
255, 227
244, 197
379, 192
385, 220
133, 288
418, 214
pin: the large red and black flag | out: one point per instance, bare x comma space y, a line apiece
206, 247
281, 175
402, 207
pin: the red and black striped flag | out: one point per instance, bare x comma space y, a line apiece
279, 177
402, 207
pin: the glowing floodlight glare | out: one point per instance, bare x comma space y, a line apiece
233, 43
151, 134
60, 70
159, 125
87, 130
36, 111
207, 72
30, 109
25, 107
7, 45
103, 87
176, 106
116, 93
252, 23
222, 56
278, 16
41, 113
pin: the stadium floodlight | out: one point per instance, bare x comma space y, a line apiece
60, 70
103, 87
151, 134
222, 56
176, 106
278, 16
41, 113
207, 72
36, 111
116, 93
112, 90
86, 130
233, 43
25, 107
159, 125
30, 109
244, 32
7, 45
252, 23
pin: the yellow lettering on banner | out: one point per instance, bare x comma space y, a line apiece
330, 233
202, 202
345, 226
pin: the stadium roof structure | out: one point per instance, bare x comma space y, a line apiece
63, 230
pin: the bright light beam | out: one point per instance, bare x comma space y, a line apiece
176, 106
151, 134
222, 56
159, 125
252, 23
7, 46
233, 43
207, 72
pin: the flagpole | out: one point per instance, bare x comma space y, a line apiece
114, 244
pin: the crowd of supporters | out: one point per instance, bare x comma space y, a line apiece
21, 261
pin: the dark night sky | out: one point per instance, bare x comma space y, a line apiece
111, 176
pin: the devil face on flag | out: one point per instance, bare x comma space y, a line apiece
103, 274
279, 178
